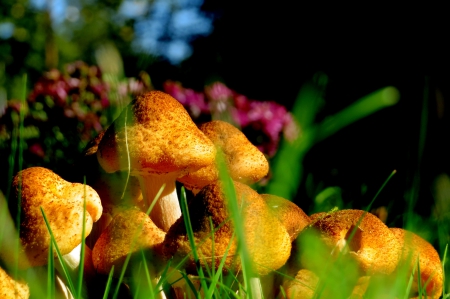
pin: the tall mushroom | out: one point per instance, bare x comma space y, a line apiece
157, 141
245, 162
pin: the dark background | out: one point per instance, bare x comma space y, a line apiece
268, 51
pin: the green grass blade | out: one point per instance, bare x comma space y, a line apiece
58, 253
190, 234
218, 274
83, 249
157, 196
191, 285
444, 261
235, 213
108, 283
50, 273
363, 107
147, 275
287, 165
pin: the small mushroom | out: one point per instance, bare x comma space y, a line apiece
130, 230
157, 141
63, 204
415, 248
244, 161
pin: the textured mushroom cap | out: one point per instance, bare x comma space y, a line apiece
245, 162
129, 231
290, 215
159, 136
11, 288
62, 203
373, 246
415, 247
267, 240
303, 286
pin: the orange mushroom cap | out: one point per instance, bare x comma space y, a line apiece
244, 161
363, 236
63, 204
129, 231
291, 215
157, 141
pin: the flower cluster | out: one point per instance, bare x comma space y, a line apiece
64, 111
263, 122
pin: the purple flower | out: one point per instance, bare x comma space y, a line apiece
193, 101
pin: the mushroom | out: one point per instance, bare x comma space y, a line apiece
291, 215
157, 141
416, 249
130, 230
306, 285
267, 240
355, 234
63, 204
244, 161
11, 288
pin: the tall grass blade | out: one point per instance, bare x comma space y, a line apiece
444, 261
218, 274
58, 253
287, 165
190, 234
50, 273
83, 249
235, 213
108, 283
363, 107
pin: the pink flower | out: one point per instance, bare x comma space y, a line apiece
36, 149
193, 101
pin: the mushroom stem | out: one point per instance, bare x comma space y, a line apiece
167, 208
255, 285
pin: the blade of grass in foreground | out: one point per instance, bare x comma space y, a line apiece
50, 273
218, 273
83, 249
235, 213
444, 260
108, 283
190, 234
58, 253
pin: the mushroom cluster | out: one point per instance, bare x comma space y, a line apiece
130, 214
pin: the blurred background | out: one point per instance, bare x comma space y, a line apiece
72, 65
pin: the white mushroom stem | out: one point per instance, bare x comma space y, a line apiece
72, 263
167, 208
255, 285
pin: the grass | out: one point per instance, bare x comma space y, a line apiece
218, 282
